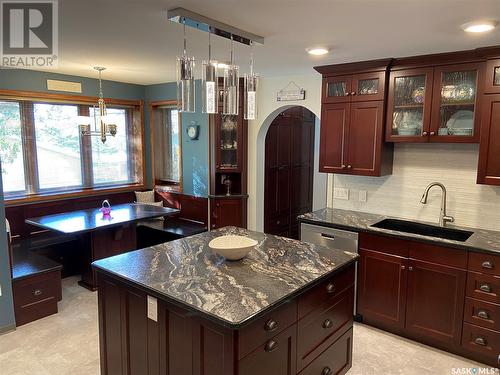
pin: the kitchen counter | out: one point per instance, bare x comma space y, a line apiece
231, 293
481, 241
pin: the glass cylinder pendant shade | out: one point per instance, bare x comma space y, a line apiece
230, 98
250, 99
185, 84
209, 87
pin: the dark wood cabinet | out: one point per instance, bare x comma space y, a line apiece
435, 302
492, 82
354, 88
337, 89
489, 161
228, 211
334, 137
382, 282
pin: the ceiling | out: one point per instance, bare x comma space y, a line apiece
137, 44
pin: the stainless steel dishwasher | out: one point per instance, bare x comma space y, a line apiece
333, 238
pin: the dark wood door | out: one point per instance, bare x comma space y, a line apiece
289, 171
227, 211
365, 141
435, 302
489, 162
368, 86
276, 357
333, 135
455, 116
337, 89
382, 282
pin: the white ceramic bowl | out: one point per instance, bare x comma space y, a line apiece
232, 247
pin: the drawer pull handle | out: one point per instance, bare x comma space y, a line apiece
330, 288
271, 325
37, 292
480, 341
326, 371
271, 346
485, 288
483, 314
327, 324
487, 264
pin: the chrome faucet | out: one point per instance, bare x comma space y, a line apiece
443, 218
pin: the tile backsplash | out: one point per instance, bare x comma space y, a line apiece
415, 166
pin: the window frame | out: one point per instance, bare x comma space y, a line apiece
32, 192
154, 108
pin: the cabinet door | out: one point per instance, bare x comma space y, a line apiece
409, 105
226, 212
492, 85
489, 162
337, 89
435, 305
382, 289
365, 138
333, 135
369, 86
228, 142
455, 116
276, 356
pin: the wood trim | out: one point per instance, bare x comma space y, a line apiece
29, 147
12, 202
76, 99
86, 147
153, 106
357, 67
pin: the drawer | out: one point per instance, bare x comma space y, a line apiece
439, 255
318, 331
485, 263
266, 327
337, 359
484, 314
481, 340
325, 291
483, 287
34, 311
37, 288
388, 245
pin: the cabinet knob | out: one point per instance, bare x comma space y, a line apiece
424, 133
271, 325
271, 346
480, 341
326, 371
278, 222
347, 94
349, 166
403, 267
487, 264
485, 288
330, 288
343, 166
213, 225
433, 133
353, 93
482, 314
327, 324
410, 268
37, 292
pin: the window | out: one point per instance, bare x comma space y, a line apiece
43, 152
167, 145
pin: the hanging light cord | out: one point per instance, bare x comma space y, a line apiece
251, 59
101, 96
209, 45
232, 49
184, 32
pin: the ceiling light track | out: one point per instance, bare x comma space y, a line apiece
197, 21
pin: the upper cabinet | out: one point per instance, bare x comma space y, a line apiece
435, 104
492, 85
228, 150
354, 88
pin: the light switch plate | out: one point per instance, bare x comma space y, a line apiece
341, 193
152, 308
362, 195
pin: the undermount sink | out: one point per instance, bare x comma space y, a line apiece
424, 229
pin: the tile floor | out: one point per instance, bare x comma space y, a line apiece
67, 343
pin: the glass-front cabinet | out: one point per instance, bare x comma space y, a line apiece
409, 103
229, 143
454, 106
356, 88
492, 77
337, 89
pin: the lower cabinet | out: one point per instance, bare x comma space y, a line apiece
228, 211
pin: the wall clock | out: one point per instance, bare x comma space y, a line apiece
193, 132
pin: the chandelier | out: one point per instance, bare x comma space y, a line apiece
98, 124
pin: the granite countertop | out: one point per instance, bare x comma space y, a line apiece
482, 240
231, 293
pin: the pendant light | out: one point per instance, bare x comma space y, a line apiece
209, 82
185, 79
250, 93
230, 98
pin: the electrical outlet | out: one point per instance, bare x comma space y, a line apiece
362, 195
341, 193
152, 308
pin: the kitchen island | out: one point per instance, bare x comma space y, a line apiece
177, 308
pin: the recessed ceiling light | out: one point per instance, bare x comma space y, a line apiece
479, 26
317, 51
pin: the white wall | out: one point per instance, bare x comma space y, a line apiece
268, 109
415, 166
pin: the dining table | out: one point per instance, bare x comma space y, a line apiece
101, 235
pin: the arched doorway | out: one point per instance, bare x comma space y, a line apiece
289, 169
